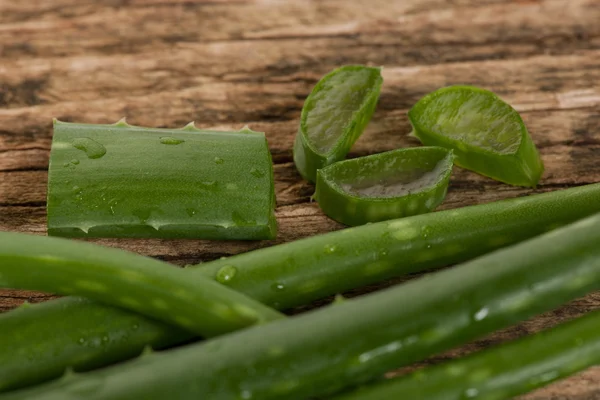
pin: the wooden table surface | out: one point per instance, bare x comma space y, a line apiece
225, 64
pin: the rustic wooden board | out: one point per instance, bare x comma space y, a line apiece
231, 62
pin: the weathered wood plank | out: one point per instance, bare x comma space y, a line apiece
418, 27
573, 80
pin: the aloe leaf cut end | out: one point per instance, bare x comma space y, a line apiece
487, 135
384, 186
334, 116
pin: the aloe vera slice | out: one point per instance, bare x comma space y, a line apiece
487, 135
334, 116
383, 186
126, 181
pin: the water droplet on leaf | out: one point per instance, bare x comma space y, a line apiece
90, 147
171, 140
208, 185
226, 274
219, 160
257, 173
481, 314
330, 248
278, 286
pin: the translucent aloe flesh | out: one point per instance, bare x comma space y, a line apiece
384, 186
327, 350
501, 372
126, 181
334, 116
281, 276
487, 135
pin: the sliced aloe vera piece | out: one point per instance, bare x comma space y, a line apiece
487, 135
334, 116
383, 186
125, 181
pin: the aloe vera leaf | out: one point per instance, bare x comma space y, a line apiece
334, 116
486, 134
127, 280
323, 351
40, 341
125, 181
384, 186
293, 274
500, 372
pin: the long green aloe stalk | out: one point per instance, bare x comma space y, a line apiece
285, 276
324, 351
127, 181
127, 280
502, 372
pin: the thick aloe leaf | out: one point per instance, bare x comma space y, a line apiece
126, 181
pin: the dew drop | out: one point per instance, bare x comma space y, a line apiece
481, 314
208, 185
190, 211
171, 140
383, 252
76, 189
226, 274
426, 230
75, 161
330, 248
278, 286
112, 203
219, 160
428, 246
66, 165
257, 173
142, 214
90, 147
471, 393
81, 341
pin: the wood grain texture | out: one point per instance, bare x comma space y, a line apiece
227, 63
